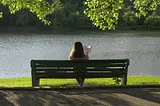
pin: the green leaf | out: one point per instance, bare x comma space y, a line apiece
1, 14
103, 12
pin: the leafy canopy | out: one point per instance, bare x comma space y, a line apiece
39, 7
103, 13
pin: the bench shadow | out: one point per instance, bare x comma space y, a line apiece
51, 98
4, 99
77, 97
148, 94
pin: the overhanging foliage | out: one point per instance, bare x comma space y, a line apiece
103, 13
39, 7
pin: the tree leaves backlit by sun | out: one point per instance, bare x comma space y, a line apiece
144, 6
39, 7
1, 14
104, 13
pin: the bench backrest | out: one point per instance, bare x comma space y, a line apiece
79, 68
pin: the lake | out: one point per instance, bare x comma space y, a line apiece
141, 47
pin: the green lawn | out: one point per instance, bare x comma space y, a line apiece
26, 82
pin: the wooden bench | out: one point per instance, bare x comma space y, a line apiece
79, 69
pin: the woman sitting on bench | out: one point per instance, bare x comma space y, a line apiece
77, 53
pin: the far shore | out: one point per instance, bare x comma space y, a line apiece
73, 31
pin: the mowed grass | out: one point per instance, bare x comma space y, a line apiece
26, 81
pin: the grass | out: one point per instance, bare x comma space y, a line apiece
26, 81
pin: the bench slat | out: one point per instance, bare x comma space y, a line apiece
54, 70
86, 65
99, 75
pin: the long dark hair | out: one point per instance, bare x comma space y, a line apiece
77, 51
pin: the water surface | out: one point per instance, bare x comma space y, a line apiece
142, 48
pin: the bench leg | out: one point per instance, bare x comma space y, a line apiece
124, 80
35, 82
80, 81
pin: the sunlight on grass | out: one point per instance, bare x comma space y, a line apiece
140, 80
26, 81
15, 82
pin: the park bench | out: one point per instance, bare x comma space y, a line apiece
79, 69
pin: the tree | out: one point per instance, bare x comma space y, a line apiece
103, 13
153, 19
127, 16
40, 7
